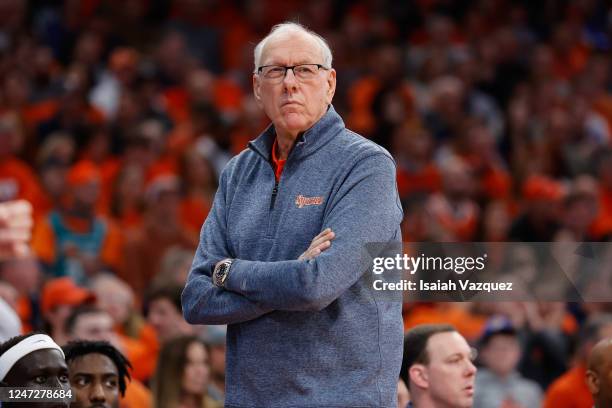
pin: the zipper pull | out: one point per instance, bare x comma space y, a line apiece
274, 193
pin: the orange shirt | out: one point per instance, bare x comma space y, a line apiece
18, 181
141, 349
24, 311
469, 325
44, 243
279, 164
569, 391
194, 211
496, 184
361, 94
460, 221
427, 179
139, 355
603, 223
136, 396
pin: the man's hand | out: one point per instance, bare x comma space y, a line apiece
319, 244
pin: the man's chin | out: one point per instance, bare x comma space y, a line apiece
467, 403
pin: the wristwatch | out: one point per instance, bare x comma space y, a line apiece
221, 272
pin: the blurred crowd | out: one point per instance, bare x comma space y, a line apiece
116, 119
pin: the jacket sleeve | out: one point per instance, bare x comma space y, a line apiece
203, 302
365, 209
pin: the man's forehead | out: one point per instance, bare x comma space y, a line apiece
92, 363
101, 319
41, 360
445, 344
299, 47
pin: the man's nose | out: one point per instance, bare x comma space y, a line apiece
97, 393
471, 369
290, 79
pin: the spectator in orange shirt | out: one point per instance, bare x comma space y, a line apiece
199, 186
53, 163
116, 298
539, 221
98, 374
17, 179
579, 211
453, 212
477, 146
571, 390
161, 230
413, 149
58, 299
74, 241
127, 197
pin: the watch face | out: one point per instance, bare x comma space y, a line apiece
221, 273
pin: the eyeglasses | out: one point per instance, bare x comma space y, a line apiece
276, 73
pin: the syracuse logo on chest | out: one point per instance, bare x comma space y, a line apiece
302, 201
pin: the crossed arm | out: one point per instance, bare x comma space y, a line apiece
319, 276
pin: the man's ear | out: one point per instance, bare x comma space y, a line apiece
418, 376
331, 85
257, 90
592, 380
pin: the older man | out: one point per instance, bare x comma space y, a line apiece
438, 367
281, 258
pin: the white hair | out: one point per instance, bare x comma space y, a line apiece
294, 28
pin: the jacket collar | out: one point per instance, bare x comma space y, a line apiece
310, 141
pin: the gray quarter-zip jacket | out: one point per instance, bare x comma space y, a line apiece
302, 333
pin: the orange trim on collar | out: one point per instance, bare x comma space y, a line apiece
277, 163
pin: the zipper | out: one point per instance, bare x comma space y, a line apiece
274, 194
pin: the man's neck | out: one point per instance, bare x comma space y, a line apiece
422, 401
284, 144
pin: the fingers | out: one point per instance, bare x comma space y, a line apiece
326, 235
319, 244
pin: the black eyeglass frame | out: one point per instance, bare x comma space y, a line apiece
290, 67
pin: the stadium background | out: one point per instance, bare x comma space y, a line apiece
120, 115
